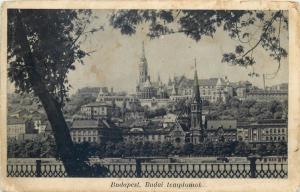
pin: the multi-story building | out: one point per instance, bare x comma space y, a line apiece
91, 91
221, 130
97, 110
151, 94
38, 121
17, 127
279, 87
263, 131
143, 135
177, 134
117, 99
265, 95
212, 90
94, 131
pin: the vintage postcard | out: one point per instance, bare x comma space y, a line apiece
150, 96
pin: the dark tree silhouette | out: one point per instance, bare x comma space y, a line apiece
43, 46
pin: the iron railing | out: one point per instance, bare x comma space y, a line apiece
160, 170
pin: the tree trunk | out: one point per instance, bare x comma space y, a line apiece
66, 151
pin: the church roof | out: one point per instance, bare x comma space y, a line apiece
220, 82
147, 83
184, 82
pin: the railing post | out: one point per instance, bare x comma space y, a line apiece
38, 171
252, 166
138, 167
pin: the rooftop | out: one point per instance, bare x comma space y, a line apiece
91, 123
97, 104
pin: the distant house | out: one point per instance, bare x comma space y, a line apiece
268, 95
134, 115
263, 131
221, 130
91, 91
19, 113
178, 135
16, 127
175, 133
169, 119
94, 131
97, 110
38, 120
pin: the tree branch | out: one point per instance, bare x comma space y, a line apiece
261, 37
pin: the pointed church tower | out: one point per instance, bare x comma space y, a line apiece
143, 67
196, 130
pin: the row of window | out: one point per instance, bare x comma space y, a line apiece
268, 131
275, 138
95, 108
282, 130
150, 137
16, 130
224, 134
89, 132
83, 139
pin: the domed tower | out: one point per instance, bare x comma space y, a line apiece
197, 131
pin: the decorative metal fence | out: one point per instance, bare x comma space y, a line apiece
160, 170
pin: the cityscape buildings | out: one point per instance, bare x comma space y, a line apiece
118, 116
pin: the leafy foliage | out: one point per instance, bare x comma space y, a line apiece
198, 23
86, 150
249, 110
54, 39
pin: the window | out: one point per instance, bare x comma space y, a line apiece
89, 139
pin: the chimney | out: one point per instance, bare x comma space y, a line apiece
112, 90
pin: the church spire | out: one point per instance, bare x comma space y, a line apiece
196, 96
143, 50
143, 66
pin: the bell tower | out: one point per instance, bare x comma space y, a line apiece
197, 135
143, 67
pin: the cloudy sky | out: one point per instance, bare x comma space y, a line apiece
115, 60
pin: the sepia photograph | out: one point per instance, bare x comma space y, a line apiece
157, 93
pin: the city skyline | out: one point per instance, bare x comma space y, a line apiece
115, 60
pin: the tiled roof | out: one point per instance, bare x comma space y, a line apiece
184, 82
91, 123
225, 124
209, 82
271, 92
97, 104
263, 123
